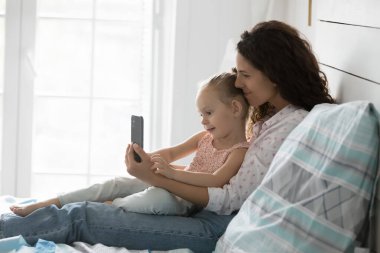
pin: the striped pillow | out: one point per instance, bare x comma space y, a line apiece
316, 194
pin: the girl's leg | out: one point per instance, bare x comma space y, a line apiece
97, 223
25, 210
154, 200
109, 190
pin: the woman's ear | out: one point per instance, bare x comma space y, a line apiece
236, 107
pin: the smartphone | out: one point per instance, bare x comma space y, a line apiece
137, 133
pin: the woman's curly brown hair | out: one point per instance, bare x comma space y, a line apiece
277, 50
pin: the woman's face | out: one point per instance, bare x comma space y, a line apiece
257, 87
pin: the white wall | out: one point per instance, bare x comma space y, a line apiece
297, 16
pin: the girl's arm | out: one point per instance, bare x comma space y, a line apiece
195, 194
216, 179
178, 167
179, 151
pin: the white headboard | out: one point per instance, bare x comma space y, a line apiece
348, 49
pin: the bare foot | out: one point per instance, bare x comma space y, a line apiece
108, 202
25, 210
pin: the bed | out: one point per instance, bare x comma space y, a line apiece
318, 194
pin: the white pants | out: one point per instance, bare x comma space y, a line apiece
132, 195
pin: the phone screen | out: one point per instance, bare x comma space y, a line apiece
137, 132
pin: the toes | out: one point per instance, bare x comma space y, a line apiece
17, 210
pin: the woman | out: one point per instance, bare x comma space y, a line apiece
281, 80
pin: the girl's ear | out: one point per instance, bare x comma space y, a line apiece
236, 107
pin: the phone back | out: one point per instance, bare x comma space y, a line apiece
137, 130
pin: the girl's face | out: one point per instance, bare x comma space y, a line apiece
257, 87
217, 117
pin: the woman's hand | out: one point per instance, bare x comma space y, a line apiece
141, 170
161, 166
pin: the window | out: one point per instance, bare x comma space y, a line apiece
85, 68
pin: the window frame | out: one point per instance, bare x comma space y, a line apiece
18, 97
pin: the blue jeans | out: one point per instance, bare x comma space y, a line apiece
100, 223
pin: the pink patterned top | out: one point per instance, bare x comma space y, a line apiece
208, 159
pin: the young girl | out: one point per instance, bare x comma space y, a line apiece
220, 151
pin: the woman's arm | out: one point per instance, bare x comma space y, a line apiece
217, 179
195, 194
